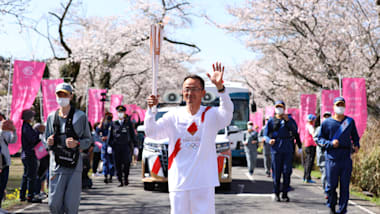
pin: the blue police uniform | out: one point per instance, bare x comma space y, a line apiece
338, 160
108, 160
123, 139
281, 151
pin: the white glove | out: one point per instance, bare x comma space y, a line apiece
299, 151
109, 150
136, 151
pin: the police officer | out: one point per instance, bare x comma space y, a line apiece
340, 138
279, 134
123, 139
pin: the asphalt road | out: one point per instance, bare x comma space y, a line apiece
247, 195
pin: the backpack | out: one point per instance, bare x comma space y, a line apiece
66, 157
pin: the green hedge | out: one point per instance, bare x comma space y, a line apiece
366, 164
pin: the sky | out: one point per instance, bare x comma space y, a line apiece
215, 44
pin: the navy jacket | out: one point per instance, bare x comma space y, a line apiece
347, 139
284, 134
29, 139
122, 134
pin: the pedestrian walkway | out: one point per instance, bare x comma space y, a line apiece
247, 195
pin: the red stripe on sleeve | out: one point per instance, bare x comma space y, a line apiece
156, 166
204, 113
175, 152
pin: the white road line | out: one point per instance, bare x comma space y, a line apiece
25, 208
360, 207
349, 201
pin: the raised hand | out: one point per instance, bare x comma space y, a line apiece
152, 100
217, 76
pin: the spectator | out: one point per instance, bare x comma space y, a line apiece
29, 139
266, 150
7, 136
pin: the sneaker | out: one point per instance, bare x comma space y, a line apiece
285, 197
310, 181
106, 180
34, 200
277, 198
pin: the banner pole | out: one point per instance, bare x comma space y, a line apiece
41, 109
340, 85
9, 85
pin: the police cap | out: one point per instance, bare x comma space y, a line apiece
120, 108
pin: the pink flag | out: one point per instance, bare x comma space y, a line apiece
26, 83
95, 106
295, 112
259, 114
308, 106
269, 111
327, 101
354, 92
116, 100
49, 100
252, 117
132, 112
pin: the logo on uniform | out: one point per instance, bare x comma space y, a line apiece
192, 128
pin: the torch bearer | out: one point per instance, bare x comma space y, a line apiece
156, 35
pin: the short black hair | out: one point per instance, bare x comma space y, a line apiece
194, 76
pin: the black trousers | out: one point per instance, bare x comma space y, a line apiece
309, 162
95, 161
122, 161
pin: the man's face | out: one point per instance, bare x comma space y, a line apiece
192, 91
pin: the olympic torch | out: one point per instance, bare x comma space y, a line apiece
156, 36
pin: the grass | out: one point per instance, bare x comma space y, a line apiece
16, 171
314, 173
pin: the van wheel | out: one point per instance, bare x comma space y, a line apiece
149, 186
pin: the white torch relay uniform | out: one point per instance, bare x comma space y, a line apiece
193, 168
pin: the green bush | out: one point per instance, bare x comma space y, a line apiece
366, 164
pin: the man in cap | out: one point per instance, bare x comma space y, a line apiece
29, 139
250, 147
310, 148
279, 133
67, 132
340, 138
123, 139
320, 151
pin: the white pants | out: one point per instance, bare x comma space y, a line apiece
198, 201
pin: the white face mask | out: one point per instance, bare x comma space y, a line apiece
339, 110
249, 126
63, 101
279, 110
120, 115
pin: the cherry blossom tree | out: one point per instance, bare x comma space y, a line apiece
304, 46
113, 52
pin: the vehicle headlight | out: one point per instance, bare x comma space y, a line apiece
221, 147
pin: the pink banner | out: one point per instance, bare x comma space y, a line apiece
116, 100
133, 112
269, 111
354, 92
48, 92
95, 106
259, 116
295, 112
308, 105
327, 101
26, 83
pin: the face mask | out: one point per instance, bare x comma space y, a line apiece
279, 110
339, 110
249, 127
120, 115
63, 101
